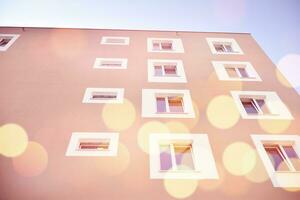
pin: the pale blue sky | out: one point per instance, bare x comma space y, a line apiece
273, 23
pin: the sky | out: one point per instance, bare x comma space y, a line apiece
275, 24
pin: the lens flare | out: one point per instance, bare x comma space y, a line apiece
148, 128
274, 126
13, 140
180, 189
222, 112
32, 162
125, 117
239, 158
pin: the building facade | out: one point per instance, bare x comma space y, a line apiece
128, 114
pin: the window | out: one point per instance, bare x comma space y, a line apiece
103, 95
167, 71
167, 103
280, 155
93, 144
181, 156
235, 71
112, 40
167, 45
6, 40
110, 63
260, 105
224, 46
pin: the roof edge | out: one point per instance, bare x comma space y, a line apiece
117, 29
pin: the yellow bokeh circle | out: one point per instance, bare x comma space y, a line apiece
222, 112
13, 140
32, 162
274, 126
147, 129
177, 127
180, 189
239, 158
119, 117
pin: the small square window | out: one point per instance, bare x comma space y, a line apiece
167, 103
93, 144
171, 71
103, 95
280, 155
110, 63
224, 46
112, 40
180, 156
235, 71
6, 40
260, 105
167, 45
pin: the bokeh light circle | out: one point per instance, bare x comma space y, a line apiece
222, 112
119, 117
13, 140
274, 126
32, 162
258, 174
239, 158
180, 189
177, 127
147, 129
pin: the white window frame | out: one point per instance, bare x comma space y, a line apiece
179, 78
72, 149
220, 69
89, 91
289, 179
176, 44
105, 38
234, 45
14, 37
277, 108
204, 163
149, 109
98, 61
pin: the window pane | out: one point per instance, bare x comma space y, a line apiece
243, 72
231, 72
292, 155
184, 157
158, 70
111, 63
94, 144
175, 104
156, 46
161, 104
228, 48
103, 95
166, 45
219, 47
263, 106
4, 41
249, 105
165, 157
276, 157
115, 40
170, 70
